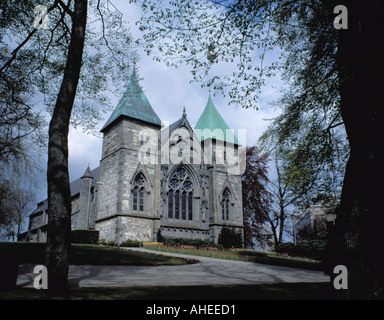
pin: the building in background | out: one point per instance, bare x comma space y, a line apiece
313, 223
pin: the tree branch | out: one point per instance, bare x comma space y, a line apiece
66, 7
14, 52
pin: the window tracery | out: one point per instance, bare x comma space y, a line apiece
139, 193
225, 208
180, 195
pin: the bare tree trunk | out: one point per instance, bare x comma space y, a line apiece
59, 194
358, 240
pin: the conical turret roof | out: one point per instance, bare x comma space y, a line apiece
134, 104
212, 125
87, 173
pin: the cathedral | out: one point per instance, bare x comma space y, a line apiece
183, 181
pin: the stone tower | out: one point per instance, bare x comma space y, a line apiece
129, 181
83, 221
222, 163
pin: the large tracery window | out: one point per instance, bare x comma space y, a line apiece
139, 193
180, 196
225, 204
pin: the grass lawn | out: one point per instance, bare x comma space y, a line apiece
284, 291
87, 254
99, 255
271, 258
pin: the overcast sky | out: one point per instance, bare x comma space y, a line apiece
169, 90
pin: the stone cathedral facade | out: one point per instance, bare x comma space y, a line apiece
183, 181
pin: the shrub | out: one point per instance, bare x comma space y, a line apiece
131, 243
159, 236
85, 236
311, 249
229, 238
112, 243
286, 247
186, 242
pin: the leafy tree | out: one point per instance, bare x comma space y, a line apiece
360, 65
256, 198
21, 129
205, 33
15, 206
49, 51
308, 170
340, 80
314, 160
283, 198
309, 134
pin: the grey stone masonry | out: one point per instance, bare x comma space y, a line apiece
123, 159
85, 200
173, 179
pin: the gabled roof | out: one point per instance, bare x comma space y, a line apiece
182, 122
75, 189
134, 104
75, 185
212, 125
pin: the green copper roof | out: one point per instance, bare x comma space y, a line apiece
134, 104
212, 125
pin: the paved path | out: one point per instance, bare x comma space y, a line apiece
208, 271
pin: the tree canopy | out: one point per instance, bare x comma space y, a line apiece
256, 197
63, 53
32, 57
205, 33
333, 111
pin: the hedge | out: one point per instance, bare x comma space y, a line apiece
228, 238
310, 249
85, 236
131, 243
187, 242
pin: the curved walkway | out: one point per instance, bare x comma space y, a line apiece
209, 271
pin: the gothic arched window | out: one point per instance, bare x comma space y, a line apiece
170, 204
180, 196
225, 204
139, 193
190, 205
177, 205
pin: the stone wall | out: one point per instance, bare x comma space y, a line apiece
122, 150
107, 229
186, 233
134, 228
